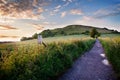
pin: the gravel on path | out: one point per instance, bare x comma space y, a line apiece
93, 65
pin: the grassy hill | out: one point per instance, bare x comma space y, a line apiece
74, 29
70, 30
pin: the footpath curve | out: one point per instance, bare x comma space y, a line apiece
93, 65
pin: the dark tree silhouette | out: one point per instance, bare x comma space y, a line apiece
94, 33
35, 36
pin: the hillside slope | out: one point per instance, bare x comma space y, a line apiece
73, 29
69, 30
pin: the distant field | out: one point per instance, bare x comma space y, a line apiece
68, 38
57, 39
110, 35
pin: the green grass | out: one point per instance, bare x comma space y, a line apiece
77, 29
112, 50
29, 61
58, 39
110, 35
66, 38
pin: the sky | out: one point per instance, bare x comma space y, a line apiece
20, 18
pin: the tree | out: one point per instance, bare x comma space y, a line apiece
47, 33
94, 33
62, 32
35, 36
86, 32
23, 38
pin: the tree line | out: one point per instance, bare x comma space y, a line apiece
48, 33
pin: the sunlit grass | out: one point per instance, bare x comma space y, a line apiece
112, 50
31, 61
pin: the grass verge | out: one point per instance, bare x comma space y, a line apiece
112, 50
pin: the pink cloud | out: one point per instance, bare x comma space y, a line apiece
76, 12
7, 27
63, 14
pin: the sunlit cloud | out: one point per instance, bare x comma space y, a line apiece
42, 25
7, 27
25, 9
6, 20
38, 26
88, 20
5, 36
63, 14
110, 11
76, 12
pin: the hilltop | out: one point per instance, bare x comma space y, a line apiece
70, 30
74, 29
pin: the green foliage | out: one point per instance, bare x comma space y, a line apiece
26, 38
94, 33
36, 62
35, 36
47, 33
23, 38
86, 32
112, 49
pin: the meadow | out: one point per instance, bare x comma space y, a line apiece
28, 60
112, 50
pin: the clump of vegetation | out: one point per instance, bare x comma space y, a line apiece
36, 62
112, 50
94, 33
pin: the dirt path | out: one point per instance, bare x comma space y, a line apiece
93, 65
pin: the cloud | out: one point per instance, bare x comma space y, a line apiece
42, 25
109, 11
64, 0
4, 36
88, 20
38, 27
66, 4
76, 12
22, 8
57, 7
7, 27
68, 0
6, 20
96, 22
63, 14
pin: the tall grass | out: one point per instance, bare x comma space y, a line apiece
36, 62
112, 49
